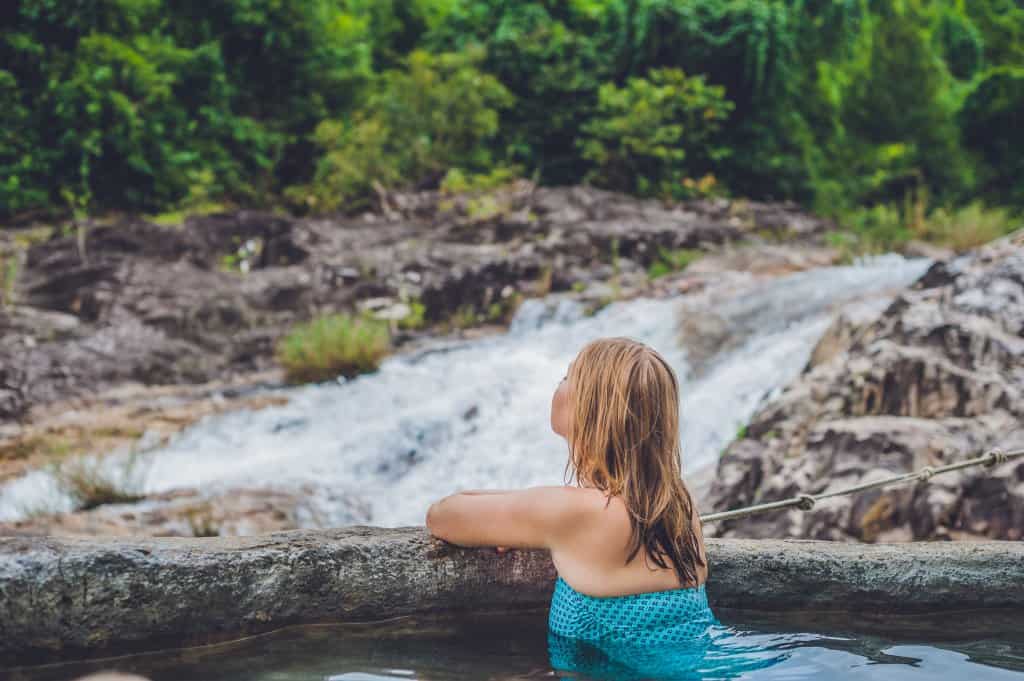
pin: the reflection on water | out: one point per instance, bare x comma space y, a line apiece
980, 645
721, 654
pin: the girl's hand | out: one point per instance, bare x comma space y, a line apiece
502, 549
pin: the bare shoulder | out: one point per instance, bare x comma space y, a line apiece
575, 501
582, 499
581, 506
592, 508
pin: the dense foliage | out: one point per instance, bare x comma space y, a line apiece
152, 105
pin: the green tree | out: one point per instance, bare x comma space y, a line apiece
150, 104
650, 135
991, 121
436, 114
553, 57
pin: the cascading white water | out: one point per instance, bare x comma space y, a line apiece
476, 414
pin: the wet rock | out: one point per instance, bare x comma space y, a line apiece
843, 330
67, 597
129, 416
934, 377
265, 239
211, 297
12, 390
194, 513
20, 322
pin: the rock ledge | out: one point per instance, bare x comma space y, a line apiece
65, 598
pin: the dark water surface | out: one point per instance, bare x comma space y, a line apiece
974, 645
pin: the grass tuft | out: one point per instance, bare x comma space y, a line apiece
333, 345
90, 484
968, 227
884, 228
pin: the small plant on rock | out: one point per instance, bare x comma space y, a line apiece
333, 345
416, 318
8, 278
201, 521
464, 317
91, 483
672, 260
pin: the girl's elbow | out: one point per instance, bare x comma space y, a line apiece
434, 520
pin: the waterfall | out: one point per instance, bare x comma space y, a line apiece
475, 414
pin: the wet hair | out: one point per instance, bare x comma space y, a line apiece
624, 440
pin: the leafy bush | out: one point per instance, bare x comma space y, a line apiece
133, 103
433, 116
969, 227
990, 118
652, 134
457, 181
552, 57
887, 227
333, 345
877, 229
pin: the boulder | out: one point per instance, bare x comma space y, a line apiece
934, 377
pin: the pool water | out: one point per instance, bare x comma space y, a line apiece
970, 646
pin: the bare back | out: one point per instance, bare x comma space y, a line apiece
592, 555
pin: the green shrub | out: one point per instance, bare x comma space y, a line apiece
458, 181
333, 345
877, 229
654, 133
672, 260
432, 116
990, 120
968, 227
884, 228
485, 207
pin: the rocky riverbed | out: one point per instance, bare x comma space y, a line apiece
932, 377
138, 331
208, 299
149, 329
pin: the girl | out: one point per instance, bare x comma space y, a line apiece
626, 538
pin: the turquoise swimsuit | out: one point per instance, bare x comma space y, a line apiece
666, 635
659, 634
672, 616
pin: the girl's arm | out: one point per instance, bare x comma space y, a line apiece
536, 517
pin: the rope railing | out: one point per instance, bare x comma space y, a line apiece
805, 502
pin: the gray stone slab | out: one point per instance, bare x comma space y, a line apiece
63, 598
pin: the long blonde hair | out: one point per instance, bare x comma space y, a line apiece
624, 440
